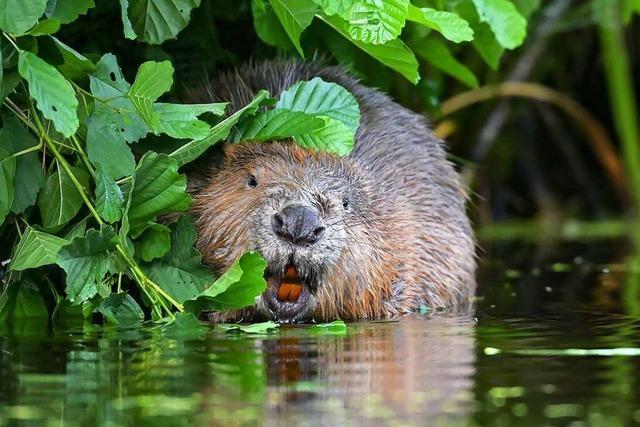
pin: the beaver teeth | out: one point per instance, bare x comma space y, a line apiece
290, 288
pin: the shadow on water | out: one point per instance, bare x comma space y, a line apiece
549, 343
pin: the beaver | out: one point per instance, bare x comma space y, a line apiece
377, 233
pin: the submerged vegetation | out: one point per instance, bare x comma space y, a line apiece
94, 137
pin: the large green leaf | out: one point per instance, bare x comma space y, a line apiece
28, 178
35, 249
449, 24
18, 16
394, 54
276, 124
74, 65
158, 188
109, 200
193, 149
152, 80
181, 120
121, 309
334, 137
335, 7
7, 173
268, 26
508, 25
60, 201
86, 261
66, 11
180, 272
295, 16
376, 21
45, 27
155, 21
238, 287
322, 98
437, 54
484, 41
154, 242
53, 93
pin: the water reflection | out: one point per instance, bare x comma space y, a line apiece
379, 373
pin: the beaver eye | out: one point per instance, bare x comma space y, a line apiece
252, 181
345, 202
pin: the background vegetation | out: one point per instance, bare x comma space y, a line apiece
84, 150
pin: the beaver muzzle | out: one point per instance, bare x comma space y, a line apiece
287, 295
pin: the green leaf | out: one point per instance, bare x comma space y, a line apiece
28, 178
318, 97
154, 242
449, 24
334, 137
45, 27
193, 149
86, 261
22, 300
337, 327
155, 21
180, 272
276, 124
394, 54
181, 120
335, 7
375, 21
126, 22
121, 309
60, 201
238, 287
268, 26
158, 188
484, 41
18, 16
67, 11
528, 7
109, 200
152, 80
254, 328
53, 94
7, 173
295, 16
508, 25
35, 249
74, 64
437, 54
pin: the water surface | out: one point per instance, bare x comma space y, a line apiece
548, 343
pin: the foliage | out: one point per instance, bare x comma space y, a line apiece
90, 163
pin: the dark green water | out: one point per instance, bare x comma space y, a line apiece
548, 344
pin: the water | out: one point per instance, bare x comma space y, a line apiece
548, 344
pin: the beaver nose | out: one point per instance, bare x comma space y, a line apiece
299, 224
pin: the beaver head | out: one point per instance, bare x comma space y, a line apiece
312, 216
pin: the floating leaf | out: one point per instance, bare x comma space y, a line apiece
295, 16
35, 249
54, 96
155, 21
18, 16
254, 328
60, 201
86, 261
449, 24
109, 200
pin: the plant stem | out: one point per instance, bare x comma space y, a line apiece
623, 102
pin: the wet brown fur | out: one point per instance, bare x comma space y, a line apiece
410, 244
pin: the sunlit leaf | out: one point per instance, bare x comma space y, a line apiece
181, 120
374, 21
53, 94
449, 24
35, 249
333, 137
152, 80
508, 25
276, 124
